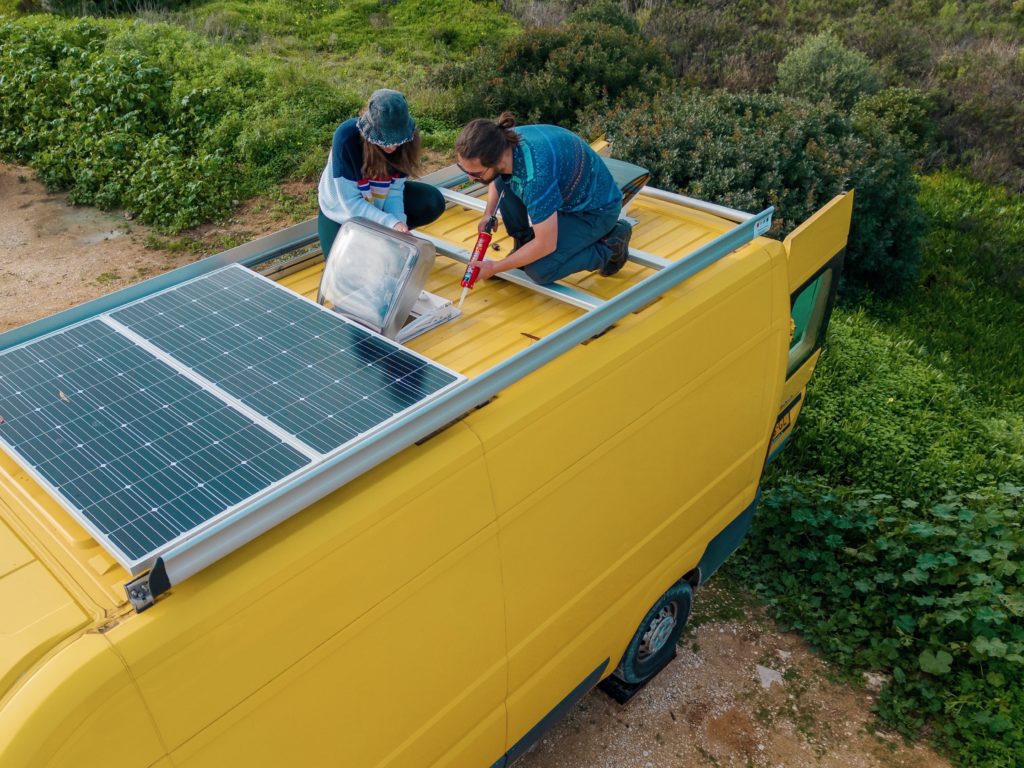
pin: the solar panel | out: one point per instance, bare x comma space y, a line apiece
140, 452
319, 377
159, 417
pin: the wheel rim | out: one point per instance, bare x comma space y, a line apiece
658, 631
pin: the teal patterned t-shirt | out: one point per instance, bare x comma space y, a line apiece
555, 170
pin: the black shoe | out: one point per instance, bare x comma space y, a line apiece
618, 241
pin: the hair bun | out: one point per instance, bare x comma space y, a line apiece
506, 121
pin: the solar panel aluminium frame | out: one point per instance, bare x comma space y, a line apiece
138, 565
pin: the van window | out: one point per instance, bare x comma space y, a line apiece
809, 310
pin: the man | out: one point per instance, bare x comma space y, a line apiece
558, 199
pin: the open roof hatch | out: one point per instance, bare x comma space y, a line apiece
376, 275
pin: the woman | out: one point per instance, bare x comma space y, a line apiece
368, 168
558, 199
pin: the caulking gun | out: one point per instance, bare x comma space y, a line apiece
483, 240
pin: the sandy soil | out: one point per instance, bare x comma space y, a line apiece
740, 693
54, 255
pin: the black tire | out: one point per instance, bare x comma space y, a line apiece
654, 643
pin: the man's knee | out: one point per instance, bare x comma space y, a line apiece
540, 273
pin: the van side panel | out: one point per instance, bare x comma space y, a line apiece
37, 614
684, 398
400, 686
325, 618
78, 710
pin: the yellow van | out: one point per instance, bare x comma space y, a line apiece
437, 592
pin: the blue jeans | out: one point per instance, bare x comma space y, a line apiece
423, 204
579, 248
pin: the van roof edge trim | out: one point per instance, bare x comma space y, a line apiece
214, 543
731, 214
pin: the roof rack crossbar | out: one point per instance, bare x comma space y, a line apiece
563, 293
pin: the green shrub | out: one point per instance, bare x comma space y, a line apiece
104, 7
552, 75
750, 152
296, 118
899, 42
967, 54
153, 119
983, 86
931, 594
823, 68
907, 115
607, 12
881, 415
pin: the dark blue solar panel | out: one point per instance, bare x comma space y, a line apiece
315, 375
138, 450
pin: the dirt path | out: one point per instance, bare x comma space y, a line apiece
740, 692
54, 255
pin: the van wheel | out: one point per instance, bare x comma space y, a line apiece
654, 643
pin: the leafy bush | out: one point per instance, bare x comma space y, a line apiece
983, 85
931, 594
719, 45
607, 12
552, 75
103, 7
880, 415
968, 54
154, 119
750, 152
823, 68
906, 114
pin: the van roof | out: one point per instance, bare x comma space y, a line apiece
499, 321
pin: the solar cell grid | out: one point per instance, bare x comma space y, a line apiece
139, 452
309, 372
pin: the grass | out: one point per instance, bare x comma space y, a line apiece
882, 413
890, 530
360, 44
967, 311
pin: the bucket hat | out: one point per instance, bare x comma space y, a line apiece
386, 121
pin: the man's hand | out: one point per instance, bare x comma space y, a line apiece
488, 269
401, 227
481, 226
